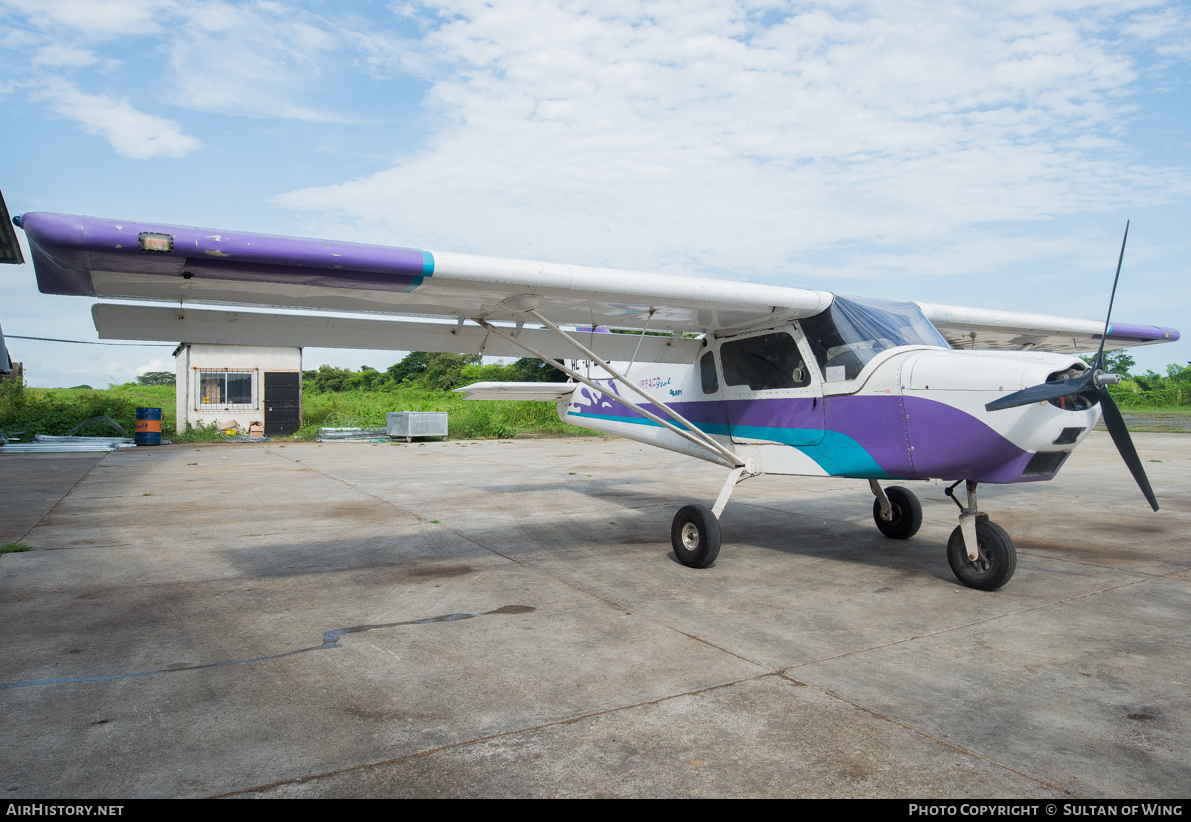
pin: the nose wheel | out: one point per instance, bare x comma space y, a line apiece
996, 556
980, 552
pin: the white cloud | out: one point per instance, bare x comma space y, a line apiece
59, 54
113, 17
132, 133
693, 134
156, 364
256, 59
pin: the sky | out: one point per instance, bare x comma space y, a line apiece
969, 153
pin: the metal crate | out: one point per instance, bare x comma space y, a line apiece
410, 424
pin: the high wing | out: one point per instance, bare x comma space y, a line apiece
1019, 331
116, 259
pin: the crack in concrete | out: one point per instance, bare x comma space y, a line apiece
86, 474
298, 780
933, 738
330, 640
971, 624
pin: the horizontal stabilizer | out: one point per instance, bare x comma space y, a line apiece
188, 325
544, 391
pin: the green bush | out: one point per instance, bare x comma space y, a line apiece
58, 410
1171, 390
465, 419
419, 369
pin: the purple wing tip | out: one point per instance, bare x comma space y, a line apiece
1142, 333
67, 248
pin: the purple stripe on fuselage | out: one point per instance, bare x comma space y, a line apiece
67, 248
794, 412
947, 443
951, 444
914, 437
878, 425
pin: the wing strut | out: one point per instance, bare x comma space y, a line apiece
693, 435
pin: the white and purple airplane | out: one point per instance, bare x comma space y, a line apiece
756, 378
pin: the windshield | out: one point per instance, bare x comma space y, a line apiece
853, 330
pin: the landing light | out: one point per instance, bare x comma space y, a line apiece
148, 241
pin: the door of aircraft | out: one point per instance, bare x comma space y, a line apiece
771, 394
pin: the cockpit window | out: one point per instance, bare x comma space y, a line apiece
764, 362
853, 331
711, 383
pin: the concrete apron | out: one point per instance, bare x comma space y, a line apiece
815, 658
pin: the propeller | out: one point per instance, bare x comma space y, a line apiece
1094, 380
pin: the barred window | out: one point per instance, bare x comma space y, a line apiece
225, 389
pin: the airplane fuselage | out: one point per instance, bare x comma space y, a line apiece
912, 412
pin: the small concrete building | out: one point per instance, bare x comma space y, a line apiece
242, 385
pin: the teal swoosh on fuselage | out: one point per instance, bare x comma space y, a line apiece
837, 454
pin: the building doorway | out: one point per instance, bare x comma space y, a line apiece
283, 403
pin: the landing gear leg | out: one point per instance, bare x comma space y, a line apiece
979, 551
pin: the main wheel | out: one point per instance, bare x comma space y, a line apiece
907, 513
996, 563
695, 536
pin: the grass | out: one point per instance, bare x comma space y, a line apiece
465, 419
58, 410
1158, 420
15, 547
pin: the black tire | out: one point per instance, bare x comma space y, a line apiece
907, 513
695, 536
997, 560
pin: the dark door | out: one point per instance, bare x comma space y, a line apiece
283, 403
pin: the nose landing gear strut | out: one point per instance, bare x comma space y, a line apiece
979, 551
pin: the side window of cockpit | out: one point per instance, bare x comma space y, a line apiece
711, 382
765, 362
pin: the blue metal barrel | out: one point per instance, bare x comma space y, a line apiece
148, 426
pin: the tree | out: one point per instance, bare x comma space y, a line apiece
157, 378
445, 371
1115, 362
328, 378
531, 369
1181, 373
412, 367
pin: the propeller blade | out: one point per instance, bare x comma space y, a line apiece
1099, 361
1043, 392
1115, 424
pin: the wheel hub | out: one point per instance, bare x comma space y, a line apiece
690, 536
982, 563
